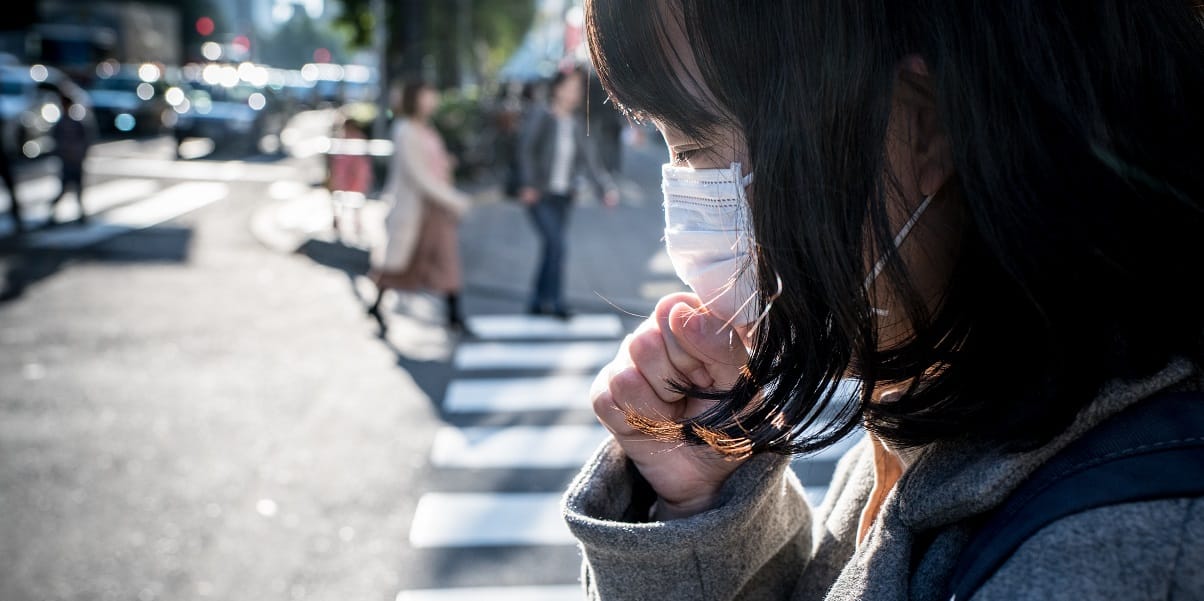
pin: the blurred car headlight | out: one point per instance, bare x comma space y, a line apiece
175, 96
51, 113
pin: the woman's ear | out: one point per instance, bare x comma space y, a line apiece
928, 142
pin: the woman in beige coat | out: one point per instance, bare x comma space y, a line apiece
421, 251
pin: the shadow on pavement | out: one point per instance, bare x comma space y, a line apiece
348, 259
431, 371
26, 267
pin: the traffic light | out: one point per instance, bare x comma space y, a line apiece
242, 43
205, 26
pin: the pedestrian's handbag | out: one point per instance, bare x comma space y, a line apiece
1153, 450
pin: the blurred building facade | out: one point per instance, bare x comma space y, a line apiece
78, 34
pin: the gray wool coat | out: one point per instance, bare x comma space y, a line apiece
763, 541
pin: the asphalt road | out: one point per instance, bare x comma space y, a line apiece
188, 415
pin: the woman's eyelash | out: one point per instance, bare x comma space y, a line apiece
683, 156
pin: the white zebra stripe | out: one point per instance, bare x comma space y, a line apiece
444, 520
516, 447
511, 327
535, 355
503, 395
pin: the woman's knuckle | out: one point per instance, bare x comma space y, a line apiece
626, 383
644, 349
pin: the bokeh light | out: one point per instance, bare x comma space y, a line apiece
211, 51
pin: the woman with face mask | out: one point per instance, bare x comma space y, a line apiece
986, 218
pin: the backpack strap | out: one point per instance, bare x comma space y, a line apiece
1153, 450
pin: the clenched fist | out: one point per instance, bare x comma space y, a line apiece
680, 342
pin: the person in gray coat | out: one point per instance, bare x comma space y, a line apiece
553, 154
984, 217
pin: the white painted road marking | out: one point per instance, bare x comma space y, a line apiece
503, 395
41, 189
535, 355
35, 210
201, 170
167, 205
510, 327
488, 520
516, 447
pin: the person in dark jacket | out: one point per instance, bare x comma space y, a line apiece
554, 153
73, 136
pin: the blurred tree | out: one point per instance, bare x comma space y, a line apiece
465, 39
295, 42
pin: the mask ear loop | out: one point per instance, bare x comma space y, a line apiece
904, 232
756, 323
899, 238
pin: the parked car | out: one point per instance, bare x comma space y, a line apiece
129, 99
236, 116
30, 106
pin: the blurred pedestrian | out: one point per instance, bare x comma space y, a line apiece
506, 121
421, 251
350, 174
73, 136
6, 173
553, 154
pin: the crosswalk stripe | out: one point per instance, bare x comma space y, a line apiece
511, 327
444, 520
41, 189
537, 355
516, 593
516, 447
208, 171
35, 211
518, 394
164, 206
106, 195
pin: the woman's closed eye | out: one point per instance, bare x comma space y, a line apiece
682, 156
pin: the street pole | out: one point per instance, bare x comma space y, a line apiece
384, 65
464, 47
412, 25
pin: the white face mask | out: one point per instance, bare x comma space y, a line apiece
708, 235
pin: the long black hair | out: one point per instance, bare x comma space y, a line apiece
1077, 140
